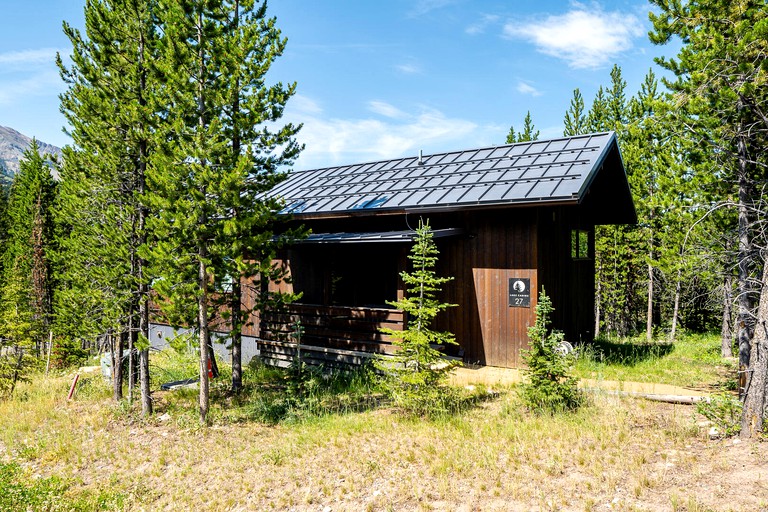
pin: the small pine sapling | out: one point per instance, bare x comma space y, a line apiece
548, 386
417, 370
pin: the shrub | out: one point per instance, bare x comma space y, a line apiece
724, 411
67, 353
548, 386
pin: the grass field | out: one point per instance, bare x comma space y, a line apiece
692, 361
344, 452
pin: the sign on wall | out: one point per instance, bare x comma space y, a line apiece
519, 292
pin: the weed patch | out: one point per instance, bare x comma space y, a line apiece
21, 492
724, 411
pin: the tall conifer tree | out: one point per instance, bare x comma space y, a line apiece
110, 106
528, 134
614, 257
721, 78
247, 243
221, 152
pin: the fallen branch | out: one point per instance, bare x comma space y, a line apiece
670, 399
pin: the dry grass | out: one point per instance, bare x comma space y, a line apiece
618, 454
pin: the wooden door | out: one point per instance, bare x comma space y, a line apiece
506, 303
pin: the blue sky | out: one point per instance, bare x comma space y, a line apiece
385, 79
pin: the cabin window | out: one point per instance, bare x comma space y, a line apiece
358, 275
579, 244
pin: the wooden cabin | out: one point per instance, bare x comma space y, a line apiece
508, 221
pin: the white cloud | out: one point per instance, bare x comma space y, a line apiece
304, 104
482, 24
584, 38
385, 109
526, 88
334, 141
40, 84
29, 58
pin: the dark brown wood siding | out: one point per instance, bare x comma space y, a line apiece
495, 245
569, 282
495, 241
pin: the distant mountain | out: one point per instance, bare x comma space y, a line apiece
12, 146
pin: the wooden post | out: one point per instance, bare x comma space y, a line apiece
72, 387
50, 347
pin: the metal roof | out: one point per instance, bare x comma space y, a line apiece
556, 170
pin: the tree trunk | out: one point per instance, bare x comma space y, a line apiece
744, 321
116, 347
237, 337
649, 318
649, 313
676, 309
598, 299
146, 399
202, 326
131, 360
726, 343
202, 250
146, 396
237, 290
757, 375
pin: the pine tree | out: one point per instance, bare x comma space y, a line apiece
28, 251
418, 368
25, 295
617, 99
211, 224
18, 333
621, 268
549, 386
598, 119
111, 108
615, 258
247, 243
528, 134
575, 120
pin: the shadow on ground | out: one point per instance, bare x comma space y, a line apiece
627, 353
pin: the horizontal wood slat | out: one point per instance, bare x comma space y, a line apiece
337, 335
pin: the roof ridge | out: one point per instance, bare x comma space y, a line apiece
443, 153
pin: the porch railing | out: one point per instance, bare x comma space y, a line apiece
337, 333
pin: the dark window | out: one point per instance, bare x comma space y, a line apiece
579, 244
346, 275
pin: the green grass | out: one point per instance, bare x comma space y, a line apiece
273, 395
270, 395
21, 491
692, 361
